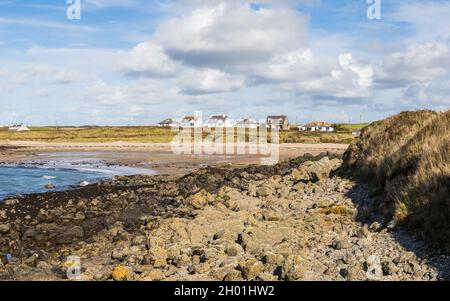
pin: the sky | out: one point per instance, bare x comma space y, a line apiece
133, 62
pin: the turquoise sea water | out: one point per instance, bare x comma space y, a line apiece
16, 180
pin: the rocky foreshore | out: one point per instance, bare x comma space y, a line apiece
296, 220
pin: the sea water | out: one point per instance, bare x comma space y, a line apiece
15, 180
63, 175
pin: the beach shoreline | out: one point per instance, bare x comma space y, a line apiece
155, 156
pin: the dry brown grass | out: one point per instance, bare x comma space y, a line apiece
148, 134
407, 157
338, 210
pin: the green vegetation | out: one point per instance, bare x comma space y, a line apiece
295, 136
148, 134
349, 127
98, 134
406, 158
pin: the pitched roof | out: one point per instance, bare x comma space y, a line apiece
280, 118
189, 118
318, 123
218, 117
167, 121
247, 120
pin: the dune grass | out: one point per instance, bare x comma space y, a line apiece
406, 158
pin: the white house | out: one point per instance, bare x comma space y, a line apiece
280, 122
169, 122
246, 123
317, 126
218, 121
191, 121
18, 128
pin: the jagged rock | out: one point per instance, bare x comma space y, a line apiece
4, 228
340, 243
271, 258
264, 191
292, 268
233, 276
153, 275
233, 249
69, 235
389, 268
315, 171
122, 253
199, 200
375, 227
267, 277
122, 273
250, 268
355, 272
49, 186
158, 257
11, 202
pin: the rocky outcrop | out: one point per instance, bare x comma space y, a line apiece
292, 221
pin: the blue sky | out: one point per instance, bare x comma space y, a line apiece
137, 62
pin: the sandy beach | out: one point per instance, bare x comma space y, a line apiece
155, 156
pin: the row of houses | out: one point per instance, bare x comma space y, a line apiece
280, 122
224, 121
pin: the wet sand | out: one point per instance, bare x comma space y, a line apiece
155, 156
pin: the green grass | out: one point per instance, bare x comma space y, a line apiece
149, 134
101, 134
349, 127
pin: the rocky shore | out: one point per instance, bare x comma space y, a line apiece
295, 220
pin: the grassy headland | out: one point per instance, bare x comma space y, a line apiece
407, 159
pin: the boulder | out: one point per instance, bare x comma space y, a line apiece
4, 228
158, 257
199, 200
49, 186
153, 275
122, 273
264, 191
250, 268
267, 277
70, 235
233, 276
274, 259
233, 249
11, 202
314, 171
292, 268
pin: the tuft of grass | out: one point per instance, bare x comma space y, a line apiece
338, 210
407, 158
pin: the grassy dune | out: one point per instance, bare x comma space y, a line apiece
407, 159
148, 134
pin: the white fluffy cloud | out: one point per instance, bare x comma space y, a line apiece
430, 94
420, 62
230, 46
149, 59
237, 57
231, 34
209, 81
427, 17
